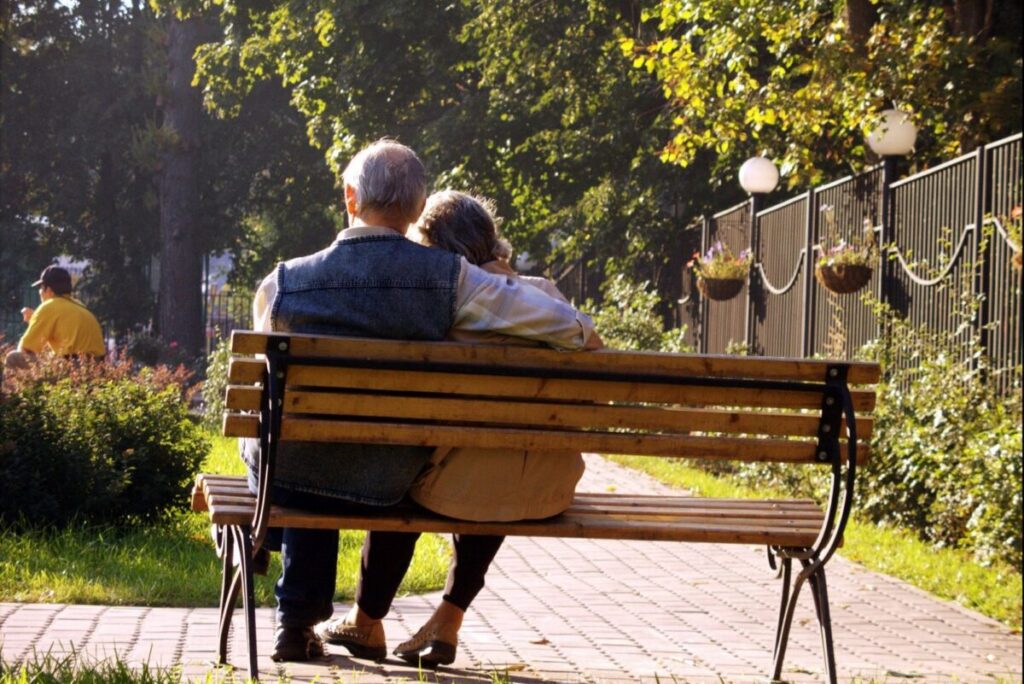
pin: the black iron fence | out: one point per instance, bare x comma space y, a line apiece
226, 311
931, 231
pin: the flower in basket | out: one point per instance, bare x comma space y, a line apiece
719, 263
846, 254
720, 274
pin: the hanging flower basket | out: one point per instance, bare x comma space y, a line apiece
720, 275
843, 278
720, 289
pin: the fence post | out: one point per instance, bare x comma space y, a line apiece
702, 311
983, 252
888, 236
756, 203
810, 231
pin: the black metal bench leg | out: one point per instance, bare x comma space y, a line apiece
785, 572
819, 590
244, 542
230, 583
785, 618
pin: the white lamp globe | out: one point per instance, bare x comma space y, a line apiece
894, 135
524, 262
758, 175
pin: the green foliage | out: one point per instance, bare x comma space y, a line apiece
803, 80
72, 100
628, 318
946, 448
216, 384
83, 146
846, 254
526, 103
99, 445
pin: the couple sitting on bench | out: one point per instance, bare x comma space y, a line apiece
374, 281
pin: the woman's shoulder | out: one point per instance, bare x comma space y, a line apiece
544, 285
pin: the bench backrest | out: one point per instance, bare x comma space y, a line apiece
450, 395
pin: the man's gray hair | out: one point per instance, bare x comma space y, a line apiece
388, 178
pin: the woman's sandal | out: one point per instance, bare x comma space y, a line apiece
433, 645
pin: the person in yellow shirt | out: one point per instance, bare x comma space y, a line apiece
61, 324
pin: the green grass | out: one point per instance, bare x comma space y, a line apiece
950, 574
171, 563
73, 668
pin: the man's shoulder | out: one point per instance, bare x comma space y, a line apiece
49, 307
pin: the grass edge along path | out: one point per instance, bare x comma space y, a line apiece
147, 565
950, 574
76, 668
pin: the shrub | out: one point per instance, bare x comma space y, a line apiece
101, 444
946, 450
215, 384
628, 318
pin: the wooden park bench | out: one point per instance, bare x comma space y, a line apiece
444, 394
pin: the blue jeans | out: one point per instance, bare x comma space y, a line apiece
305, 590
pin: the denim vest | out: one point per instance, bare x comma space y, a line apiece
373, 286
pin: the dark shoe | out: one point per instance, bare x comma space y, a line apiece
362, 642
296, 644
433, 645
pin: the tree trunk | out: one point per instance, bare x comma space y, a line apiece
972, 18
180, 297
860, 16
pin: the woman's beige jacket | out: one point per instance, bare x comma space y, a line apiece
500, 484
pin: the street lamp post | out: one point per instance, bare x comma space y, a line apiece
758, 177
892, 138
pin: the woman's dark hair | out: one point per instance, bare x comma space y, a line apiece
462, 224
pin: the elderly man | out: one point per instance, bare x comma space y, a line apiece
61, 324
373, 282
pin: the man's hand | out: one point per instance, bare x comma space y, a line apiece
26, 313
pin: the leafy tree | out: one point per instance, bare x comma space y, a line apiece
529, 103
803, 80
71, 100
86, 138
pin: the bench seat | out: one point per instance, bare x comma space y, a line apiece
776, 522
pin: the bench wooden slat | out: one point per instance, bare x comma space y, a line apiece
746, 530
695, 511
237, 485
246, 342
244, 371
540, 413
564, 525
247, 398
715, 448
556, 389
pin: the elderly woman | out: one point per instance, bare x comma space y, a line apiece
468, 484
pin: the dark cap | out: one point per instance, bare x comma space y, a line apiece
55, 278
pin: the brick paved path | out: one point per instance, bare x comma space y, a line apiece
594, 611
